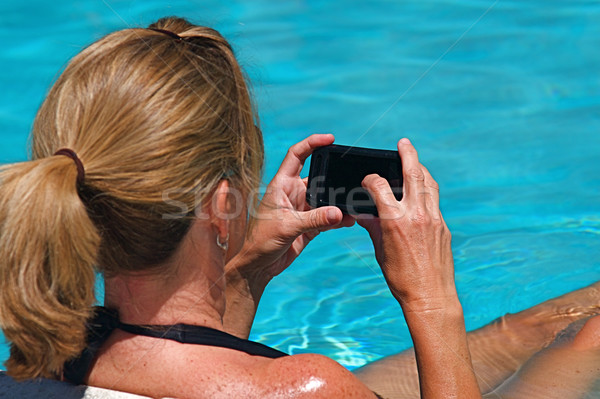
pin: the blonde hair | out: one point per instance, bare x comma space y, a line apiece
147, 114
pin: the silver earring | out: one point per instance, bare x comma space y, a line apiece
223, 245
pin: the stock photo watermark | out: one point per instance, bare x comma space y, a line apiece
272, 202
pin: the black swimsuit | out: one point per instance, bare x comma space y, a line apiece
107, 320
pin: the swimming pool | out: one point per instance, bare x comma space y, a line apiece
502, 99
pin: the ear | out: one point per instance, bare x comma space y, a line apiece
219, 210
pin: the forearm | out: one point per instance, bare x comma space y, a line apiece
243, 293
441, 351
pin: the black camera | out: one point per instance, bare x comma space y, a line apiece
336, 173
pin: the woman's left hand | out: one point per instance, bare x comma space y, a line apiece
280, 228
284, 224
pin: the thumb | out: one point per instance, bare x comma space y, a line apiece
319, 219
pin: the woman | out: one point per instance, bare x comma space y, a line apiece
145, 158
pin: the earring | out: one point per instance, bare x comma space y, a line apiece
223, 245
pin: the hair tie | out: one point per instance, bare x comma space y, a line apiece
73, 155
168, 33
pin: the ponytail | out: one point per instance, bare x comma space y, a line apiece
48, 248
169, 128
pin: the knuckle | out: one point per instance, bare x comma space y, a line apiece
446, 234
414, 175
433, 185
292, 151
420, 217
379, 183
447, 231
317, 219
437, 223
285, 214
313, 219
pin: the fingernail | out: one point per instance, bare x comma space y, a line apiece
331, 215
405, 141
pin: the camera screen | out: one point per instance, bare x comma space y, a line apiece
345, 173
336, 174
348, 170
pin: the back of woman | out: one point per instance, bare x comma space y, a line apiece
146, 161
154, 122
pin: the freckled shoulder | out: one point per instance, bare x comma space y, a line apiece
311, 376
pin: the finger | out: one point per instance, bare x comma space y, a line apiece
414, 178
433, 193
297, 154
381, 192
318, 219
347, 221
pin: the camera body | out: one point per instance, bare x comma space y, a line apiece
336, 173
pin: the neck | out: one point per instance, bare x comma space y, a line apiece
192, 291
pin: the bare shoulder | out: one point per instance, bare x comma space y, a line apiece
168, 369
310, 376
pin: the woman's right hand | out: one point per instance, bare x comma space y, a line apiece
412, 246
411, 239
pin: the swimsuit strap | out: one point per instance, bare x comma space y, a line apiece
199, 335
107, 320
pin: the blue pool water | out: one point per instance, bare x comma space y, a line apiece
502, 100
